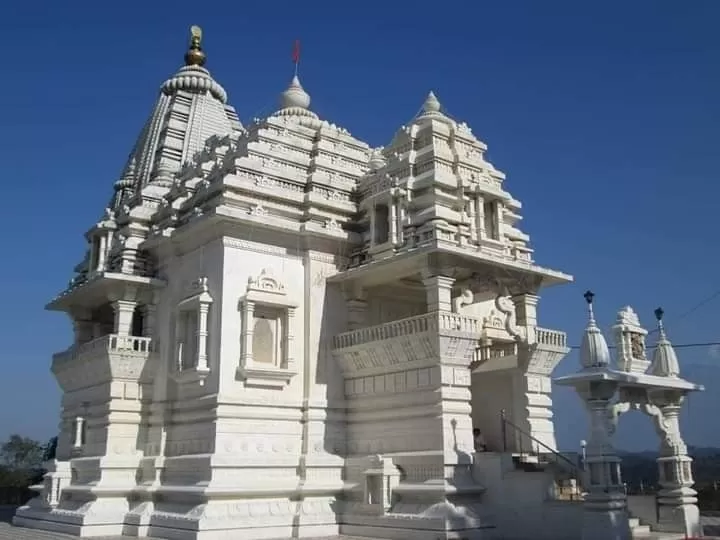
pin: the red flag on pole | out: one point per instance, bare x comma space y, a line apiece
296, 52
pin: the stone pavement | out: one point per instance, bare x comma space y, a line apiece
8, 532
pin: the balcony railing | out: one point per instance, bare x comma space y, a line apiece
435, 321
111, 343
439, 321
553, 338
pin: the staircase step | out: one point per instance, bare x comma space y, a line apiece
641, 531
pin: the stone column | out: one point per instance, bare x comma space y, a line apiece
247, 333
392, 218
102, 253
605, 514
79, 429
526, 314
149, 321
677, 500
438, 290
202, 363
289, 361
124, 310
356, 304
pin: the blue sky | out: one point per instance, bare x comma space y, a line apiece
604, 115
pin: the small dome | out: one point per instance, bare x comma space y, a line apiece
431, 105
377, 160
594, 352
295, 96
664, 362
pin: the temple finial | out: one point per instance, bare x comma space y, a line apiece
431, 105
589, 296
195, 55
659, 312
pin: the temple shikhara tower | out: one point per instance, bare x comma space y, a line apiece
281, 331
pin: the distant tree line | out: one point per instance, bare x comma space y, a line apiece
21, 466
640, 474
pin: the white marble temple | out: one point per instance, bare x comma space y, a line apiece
283, 332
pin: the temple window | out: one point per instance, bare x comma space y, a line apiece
191, 331
381, 234
267, 335
490, 212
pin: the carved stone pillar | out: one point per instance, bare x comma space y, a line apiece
149, 320
526, 314
438, 290
357, 306
202, 333
102, 253
677, 500
79, 432
289, 361
605, 505
247, 332
124, 310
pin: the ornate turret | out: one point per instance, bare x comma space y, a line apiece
664, 362
190, 93
594, 352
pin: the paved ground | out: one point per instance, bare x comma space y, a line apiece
8, 532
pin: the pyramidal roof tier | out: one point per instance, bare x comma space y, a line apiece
288, 171
192, 107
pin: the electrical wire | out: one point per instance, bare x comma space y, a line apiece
690, 311
681, 346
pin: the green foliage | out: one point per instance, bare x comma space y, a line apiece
21, 453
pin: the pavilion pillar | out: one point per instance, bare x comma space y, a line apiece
605, 514
677, 500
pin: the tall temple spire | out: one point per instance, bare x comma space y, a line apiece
665, 362
594, 352
195, 55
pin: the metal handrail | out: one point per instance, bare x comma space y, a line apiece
505, 422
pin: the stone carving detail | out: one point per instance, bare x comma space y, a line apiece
505, 305
265, 282
494, 320
615, 410
637, 346
668, 434
466, 298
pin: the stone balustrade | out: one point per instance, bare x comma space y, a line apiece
436, 321
440, 321
552, 338
110, 343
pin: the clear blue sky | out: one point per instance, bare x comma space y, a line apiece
605, 116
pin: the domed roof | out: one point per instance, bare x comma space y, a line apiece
594, 351
664, 362
295, 96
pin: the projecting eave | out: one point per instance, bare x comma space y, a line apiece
100, 288
411, 261
636, 380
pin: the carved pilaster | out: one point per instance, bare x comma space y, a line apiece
124, 310
438, 290
248, 312
202, 333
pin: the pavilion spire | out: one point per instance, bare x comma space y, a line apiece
594, 351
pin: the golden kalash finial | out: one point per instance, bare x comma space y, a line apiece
195, 55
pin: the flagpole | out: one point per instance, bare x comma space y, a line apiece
296, 55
